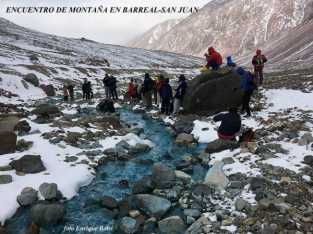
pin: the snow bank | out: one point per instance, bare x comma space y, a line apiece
204, 132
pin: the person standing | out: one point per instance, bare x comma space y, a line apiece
106, 86
85, 89
147, 89
258, 62
70, 88
166, 94
131, 90
65, 92
230, 124
248, 85
112, 86
89, 91
180, 93
159, 83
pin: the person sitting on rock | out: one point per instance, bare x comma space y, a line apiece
248, 85
230, 124
131, 91
166, 94
230, 62
258, 62
65, 93
180, 93
85, 89
214, 59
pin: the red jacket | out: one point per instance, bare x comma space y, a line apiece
131, 90
214, 55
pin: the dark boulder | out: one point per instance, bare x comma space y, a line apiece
144, 185
48, 89
32, 78
106, 106
220, 145
109, 202
46, 214
22, 127
46, 110
7, 142
213, 92
28, 164
163, 177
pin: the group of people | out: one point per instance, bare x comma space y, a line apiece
110, 87
161, 91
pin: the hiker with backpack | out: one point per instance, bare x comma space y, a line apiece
106, 86
179, 94
258, 62
230, 124
248, 85
214, 59
147, 90
166, 94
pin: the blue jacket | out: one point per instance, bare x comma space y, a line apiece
247, 80
230, 62
166, 91
181, 90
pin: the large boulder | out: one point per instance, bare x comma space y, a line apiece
144, 185
220, 145
172, 225
22, 127
46, 110
152, 205
163, 177
28, 164
46, 214
216, 176
5, 179
106, 106
32, 78
213, 92
9, 123
7, 142
49, 191
48, 89
127, 225
27, 197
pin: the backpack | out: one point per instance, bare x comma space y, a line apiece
247, 136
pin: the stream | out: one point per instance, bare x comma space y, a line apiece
83, 210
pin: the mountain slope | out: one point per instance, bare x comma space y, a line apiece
234, 27
148, 39
54, 59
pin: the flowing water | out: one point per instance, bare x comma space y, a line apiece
83, 211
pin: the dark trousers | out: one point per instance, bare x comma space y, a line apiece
259, 76
166, 106
246, 102
113, 93
87, 95
213, 65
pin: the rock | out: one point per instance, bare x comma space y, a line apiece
257, 184
23, 145
109, 202
71, 159
144, 185
106, 106
205, 158
139, 148
48, 191
192, 213
32, 78
240, 204
6, 179
172, 225
308, 160
213, 92
228, 160
183, 126
306, 139
128, 225
46, 214
199, 226
22, 127
33, 229
6, 168
162, 176
27, 197
48, 89
202, 190
220, 145
7, 142
28, 164
152, 205
46, 110
182, 176
134, 213
216, 176
184, 139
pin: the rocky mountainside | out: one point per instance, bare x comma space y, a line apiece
235, 27
53, 59
148, 39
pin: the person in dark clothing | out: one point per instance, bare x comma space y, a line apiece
180, 93
65, 93
106, 86
230, 62
70, 88
230, 124
85, 89
248, 85
89, 91
112, 86
166, 94
258, 62
147, 90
